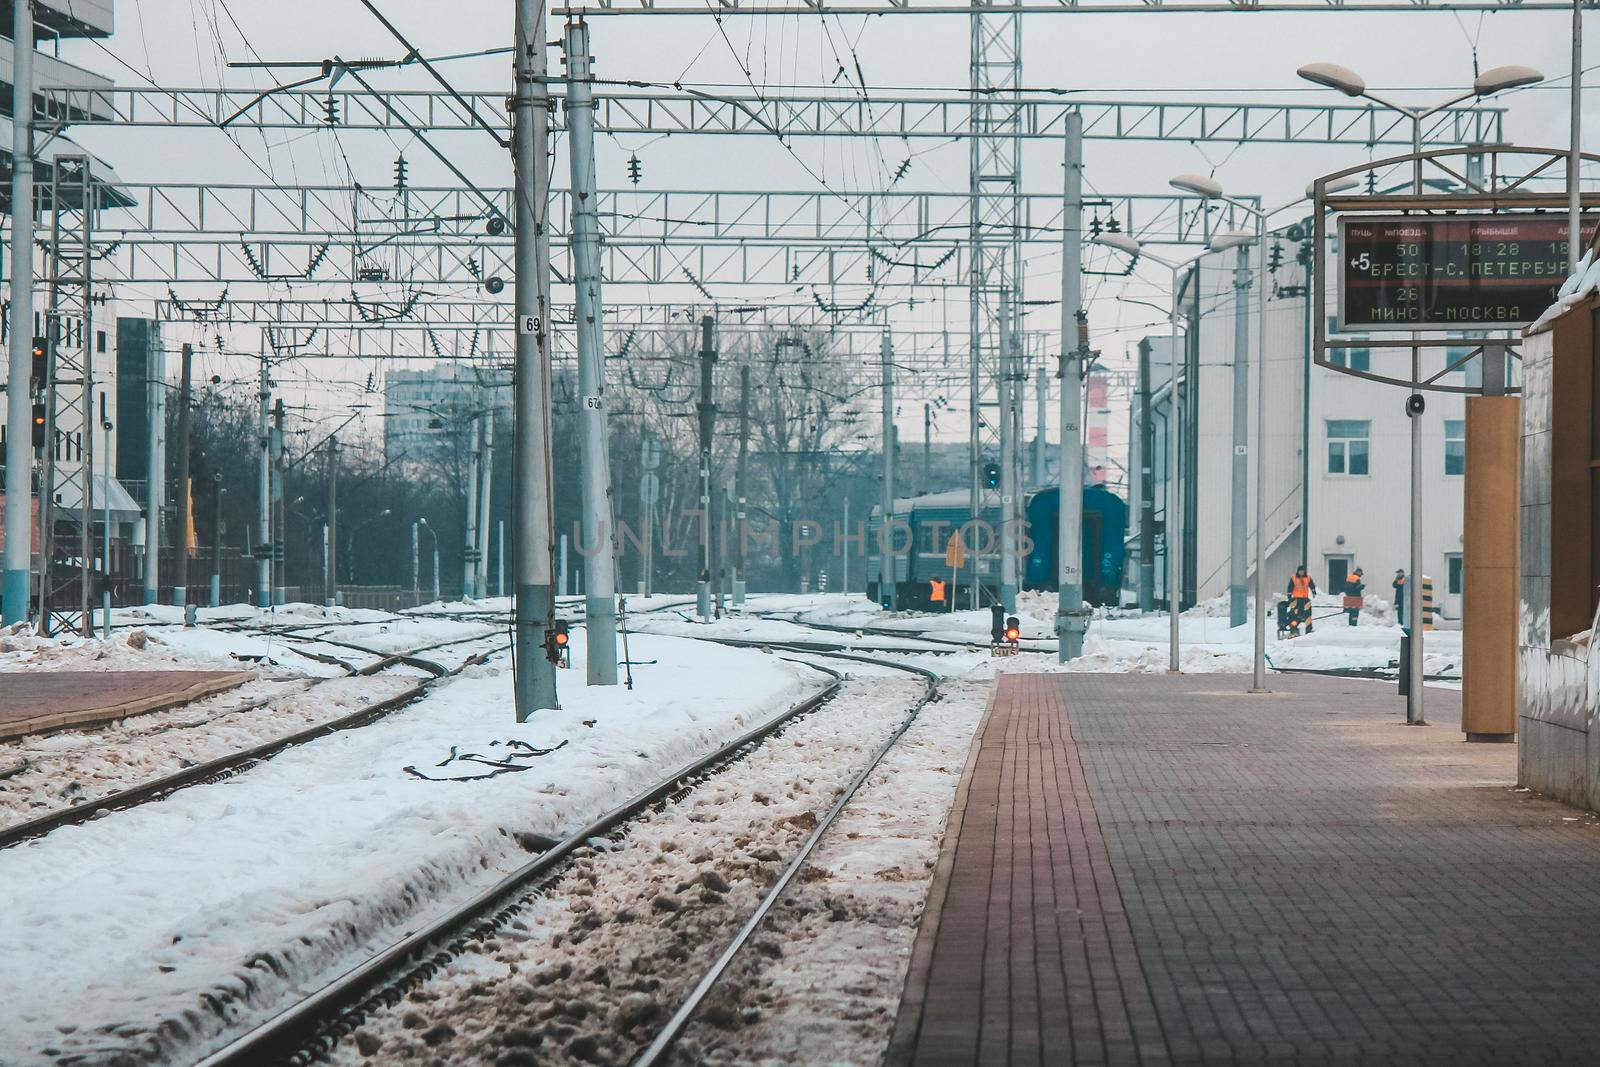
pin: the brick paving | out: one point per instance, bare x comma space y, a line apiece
40, 701
1144, 868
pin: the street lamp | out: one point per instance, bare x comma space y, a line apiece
1348, 82
422, 523
1123, 242
1210, 189
1488, 83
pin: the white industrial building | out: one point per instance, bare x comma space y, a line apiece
55, 21
1337, 448
424, 408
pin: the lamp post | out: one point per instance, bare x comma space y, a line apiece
422, 523
1210, 189
105, 545
1488, 83
1125, 243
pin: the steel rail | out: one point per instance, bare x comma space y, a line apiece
669, 1034
226, 766
312, 1026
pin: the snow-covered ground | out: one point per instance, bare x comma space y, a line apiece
129, 931
1116, 641
587, 971
123, 933
62, 769
846, 930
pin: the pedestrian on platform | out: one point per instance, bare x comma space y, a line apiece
1354, 587
1399, 586
1302, 587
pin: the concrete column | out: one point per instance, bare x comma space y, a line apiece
18, 564
1490, 568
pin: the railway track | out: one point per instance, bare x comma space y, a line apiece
309, 1030
233, 763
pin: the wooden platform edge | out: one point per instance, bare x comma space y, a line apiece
52, 723
914, 994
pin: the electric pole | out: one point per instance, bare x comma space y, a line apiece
19, 413
331, 595
155, 392
886, 554
1239, 518
264, 491
600, 568
1008, 455
927, 453
741, 485
469, 544
1071, 622
1147, 494
180, 564
480, 580
280, 518
535, 677
708, 419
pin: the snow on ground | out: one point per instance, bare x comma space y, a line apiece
848, 927
230, 638
123, 934
586, 972
1123, 640
67, 768
137, 650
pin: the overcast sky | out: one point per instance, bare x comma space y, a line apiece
1418, 57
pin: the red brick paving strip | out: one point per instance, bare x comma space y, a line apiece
33, 702
1162, 868
1033, 962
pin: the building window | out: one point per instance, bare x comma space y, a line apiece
1452, 563
1455, 446
100, 341
1347, 446
1354, 358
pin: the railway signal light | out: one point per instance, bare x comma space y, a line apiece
38, 424
557, 648
991, 475
1013, 629
41, 363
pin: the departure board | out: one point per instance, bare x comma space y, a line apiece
1450, 271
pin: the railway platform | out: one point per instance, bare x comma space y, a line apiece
36, 702
1152, 868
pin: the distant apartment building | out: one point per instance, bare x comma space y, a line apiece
425, 409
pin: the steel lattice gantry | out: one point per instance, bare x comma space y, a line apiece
239, 234
730, 8
890, 115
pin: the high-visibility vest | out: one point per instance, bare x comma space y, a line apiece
937, 593
1301, 585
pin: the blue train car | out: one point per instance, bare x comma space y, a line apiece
925, 525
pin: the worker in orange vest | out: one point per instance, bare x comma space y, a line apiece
1302, 587
936, 591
